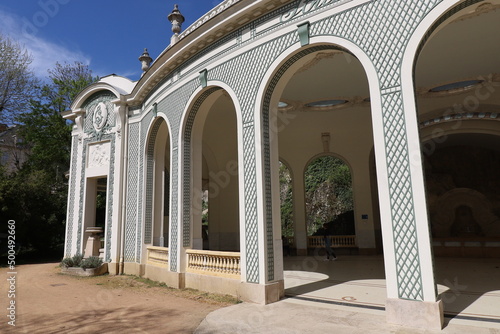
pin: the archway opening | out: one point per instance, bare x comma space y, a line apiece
457, 103
322, 107
320, 110
157, 221
215, 175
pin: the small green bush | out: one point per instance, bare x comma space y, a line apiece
91, 262
67, 262
77, 260
74, 261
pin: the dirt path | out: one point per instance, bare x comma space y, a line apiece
49, 302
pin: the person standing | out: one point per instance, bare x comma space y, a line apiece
328, 244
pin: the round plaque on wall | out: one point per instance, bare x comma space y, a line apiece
100, 116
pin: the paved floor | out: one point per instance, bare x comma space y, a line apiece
348, 296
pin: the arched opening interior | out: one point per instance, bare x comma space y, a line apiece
323, 108
215, 168
161, 187
320, 108
457, 85
96, 209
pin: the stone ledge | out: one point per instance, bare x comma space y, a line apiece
410, 313
77, 271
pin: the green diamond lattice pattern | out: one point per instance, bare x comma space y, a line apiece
382, 29
109, 197
402, 208
132, 192
72, 192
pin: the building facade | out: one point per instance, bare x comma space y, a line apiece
188, 156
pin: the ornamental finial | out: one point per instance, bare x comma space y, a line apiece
176, 18
145, 60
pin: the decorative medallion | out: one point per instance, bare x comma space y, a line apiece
100, 116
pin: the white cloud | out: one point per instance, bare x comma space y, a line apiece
45, 53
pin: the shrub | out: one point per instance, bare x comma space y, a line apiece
91, 262
77, 260
74, 261
67, 262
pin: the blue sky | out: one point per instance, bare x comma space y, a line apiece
108, 35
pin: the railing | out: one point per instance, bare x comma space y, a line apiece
157, 256
223, 264
335, 240
467, 247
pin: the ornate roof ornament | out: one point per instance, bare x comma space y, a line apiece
145, 60
176, 18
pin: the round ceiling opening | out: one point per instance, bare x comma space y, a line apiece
454, 86
326, 103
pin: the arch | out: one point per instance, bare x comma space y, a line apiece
192, 132
268, 94
91, 90
156, 154
437, 129
327, 154
435, 18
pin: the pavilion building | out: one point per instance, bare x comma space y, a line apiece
406, 93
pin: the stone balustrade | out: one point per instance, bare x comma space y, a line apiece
222, 264
474, 247
336, 241
157, 256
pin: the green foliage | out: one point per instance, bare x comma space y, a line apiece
287, 228
328, 195
67, 262
26, 198
91, 262
75, 261
36, 195
17, 81
328, 190
78, 261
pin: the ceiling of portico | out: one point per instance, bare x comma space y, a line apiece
465, 48
327, 75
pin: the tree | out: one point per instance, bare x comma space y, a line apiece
17, 81
43, 128
36, 196
67, 81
